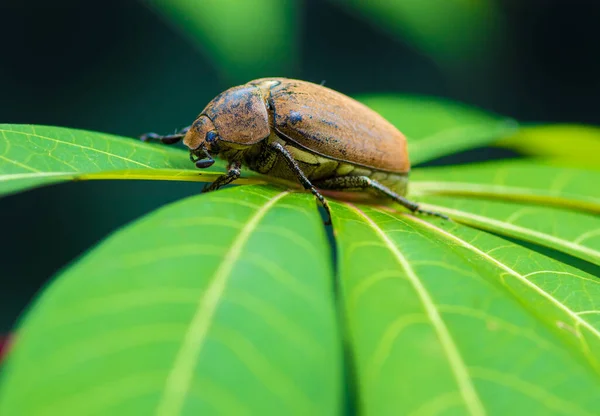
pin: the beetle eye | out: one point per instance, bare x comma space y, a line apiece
211, 136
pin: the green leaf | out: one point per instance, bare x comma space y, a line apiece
560, 144
574, 233
545, 205
447, 30
221, 303
226, 302
513, 181
436, 127
244, 39
447, 319
33, 156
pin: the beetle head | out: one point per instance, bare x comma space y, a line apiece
203, 140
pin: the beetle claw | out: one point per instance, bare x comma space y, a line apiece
149, 136
432, 213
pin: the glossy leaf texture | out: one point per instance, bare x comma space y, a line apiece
436, 127
445, 319
32, 156
564, 144
217, 304
230, 303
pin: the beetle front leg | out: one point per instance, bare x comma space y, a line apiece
364, 183
168, 139
233, 173
293, 165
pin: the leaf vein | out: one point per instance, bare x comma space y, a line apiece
180, 377
456, 362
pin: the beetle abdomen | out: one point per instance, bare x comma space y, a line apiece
318, 168
331, 124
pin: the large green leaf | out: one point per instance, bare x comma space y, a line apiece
436, 127
221, 303
244, 39
226, 303
446, 319
447, 30
33, 156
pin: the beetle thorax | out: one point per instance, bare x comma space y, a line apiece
231, 151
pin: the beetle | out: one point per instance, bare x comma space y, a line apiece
297, 130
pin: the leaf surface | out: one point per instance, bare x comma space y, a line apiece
546, 205
513, 181
447, 319
32, 156
575, 233
220, 303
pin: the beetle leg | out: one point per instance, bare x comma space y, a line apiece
265, 160
168, 139
293, 165
364, 183
233, 173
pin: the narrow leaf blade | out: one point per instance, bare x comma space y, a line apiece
32, 156
513, 181
561, 144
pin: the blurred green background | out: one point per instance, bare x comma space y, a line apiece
127, 67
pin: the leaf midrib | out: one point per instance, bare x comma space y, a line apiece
586, 253
456, 363
180, 377
519, 276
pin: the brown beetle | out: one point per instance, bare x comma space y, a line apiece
297, 130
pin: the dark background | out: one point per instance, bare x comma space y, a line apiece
122, 67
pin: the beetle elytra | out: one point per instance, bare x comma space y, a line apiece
297, 130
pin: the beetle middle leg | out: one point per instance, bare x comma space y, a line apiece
293, 165
168, 139
233, 173
365, 183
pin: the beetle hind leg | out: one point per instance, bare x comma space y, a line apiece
342, 183
293, 165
